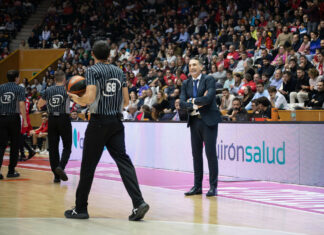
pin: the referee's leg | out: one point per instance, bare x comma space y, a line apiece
53, 144
66, 134
116, 148
14, 137
94, 142
4, 136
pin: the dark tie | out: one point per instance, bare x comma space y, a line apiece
195, 88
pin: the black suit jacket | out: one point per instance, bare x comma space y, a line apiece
209, 112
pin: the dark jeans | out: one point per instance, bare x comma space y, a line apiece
59, 126
203, 134
105, 131
10, 130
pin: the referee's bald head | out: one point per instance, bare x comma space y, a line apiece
100, 50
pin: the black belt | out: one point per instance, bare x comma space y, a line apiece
57, 114
94, 115
196, 116
9, 114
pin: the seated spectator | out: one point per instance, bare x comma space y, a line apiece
75, 117
163, 103
276, 81
320, 64
261, 92
317, 98
133, 99
247, 81
39, 134
237, 84
131, 113
277, 99
229, 83
314, 78
144, 114
150, 98
302, 88
264, 107
247, 96
177, 115
237, 112
288, 84
226, 101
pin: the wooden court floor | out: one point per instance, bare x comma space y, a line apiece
34, 205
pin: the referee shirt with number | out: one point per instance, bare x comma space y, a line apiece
57, 100
10, 96
109, 81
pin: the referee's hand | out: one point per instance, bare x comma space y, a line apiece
25, 123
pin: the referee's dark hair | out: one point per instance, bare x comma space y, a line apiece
59, 76
100, 50
12, 75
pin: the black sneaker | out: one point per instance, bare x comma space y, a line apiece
139, 212
13, 175
61, 173
73, 214
31, 154
57, 180
1, 176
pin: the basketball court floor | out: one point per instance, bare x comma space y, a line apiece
33, 204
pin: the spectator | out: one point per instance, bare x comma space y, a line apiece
247, 81
302, 88
39, 134
283, 37
131, 113
229, 83
227, 98
150, 99
264, 107
237, 112
313, 78
277, 99
247, 96
261, 92
75, 117
276, 81
317, 97
288, 84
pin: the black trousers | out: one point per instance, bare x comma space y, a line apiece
23, 144
105, 131
10, 130
200, 134
59, 126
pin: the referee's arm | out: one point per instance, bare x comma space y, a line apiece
41, 102
22, 108
88, 98
125, 96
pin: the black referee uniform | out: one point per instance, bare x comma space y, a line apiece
59, 125
10, 96
106, 129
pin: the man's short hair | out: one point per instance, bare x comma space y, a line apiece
260, 83
198, 59
272, 89
288, 73
12, 75
248, 77
100, 50
237, 99
59, 76
225, 89
264, 101
300, 68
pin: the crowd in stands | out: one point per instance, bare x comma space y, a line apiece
262, 54
13, 14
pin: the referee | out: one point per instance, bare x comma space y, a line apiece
105, 93
12, 102
59, 125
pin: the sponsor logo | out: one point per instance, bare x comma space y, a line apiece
264, 154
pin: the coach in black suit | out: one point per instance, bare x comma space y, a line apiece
198, 98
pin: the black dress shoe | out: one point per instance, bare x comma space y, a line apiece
139, 212
61, 173
73, 214
1, 177
211, 192
31, 154
13, 175
57, 180
194, 191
